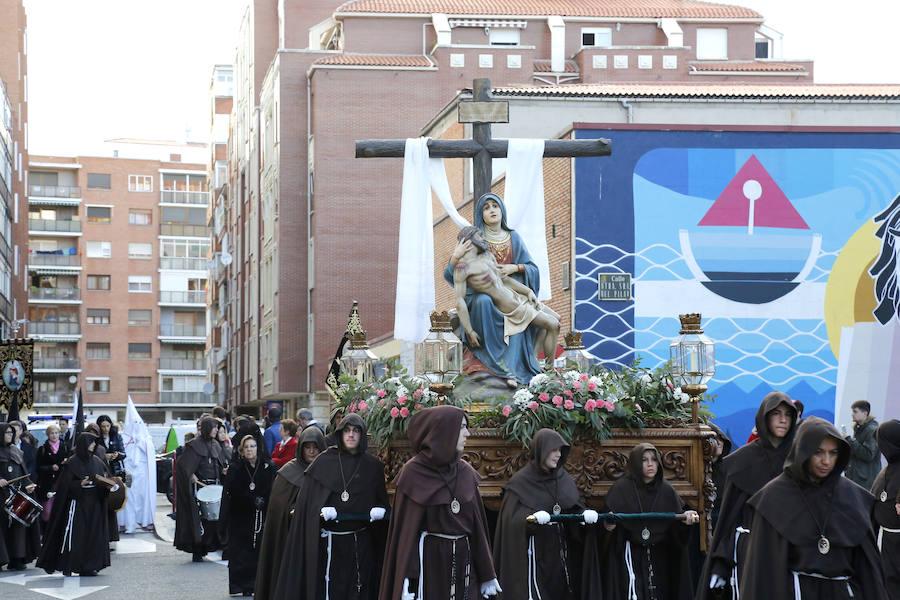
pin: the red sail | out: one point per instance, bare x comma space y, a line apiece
772, 208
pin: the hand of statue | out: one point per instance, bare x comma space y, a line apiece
472, 339
609, 525
458, 252
532, 298
508, 269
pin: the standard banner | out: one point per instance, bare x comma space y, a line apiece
16, 364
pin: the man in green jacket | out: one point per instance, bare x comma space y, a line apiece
865, 461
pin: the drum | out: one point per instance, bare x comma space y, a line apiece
118, 494
23, 508
210, 498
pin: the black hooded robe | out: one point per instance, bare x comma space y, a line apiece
665, 551
422, 513
201, 457
552, 571
17, 543
352, 567
791, 514
77, 539
747, 470
278, 517
886, 490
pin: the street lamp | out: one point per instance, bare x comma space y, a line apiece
693, 359
575, 353
439, 355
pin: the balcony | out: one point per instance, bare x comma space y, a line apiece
62, 192
182, 297
57, 363
182, 330
182, 263
37, 259
54, 226
55, 328
172, 363
183, 197
185, 398
36, 294
54, 398
183, 229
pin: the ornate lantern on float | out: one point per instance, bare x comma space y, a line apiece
575, 354
693, 359
356, 359
439, 355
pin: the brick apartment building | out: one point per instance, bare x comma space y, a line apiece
117, 271
311, 228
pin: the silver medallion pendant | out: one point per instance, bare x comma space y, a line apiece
884, 496
252, 486
345, 496
557, 509
645, 534
824, 545
454, 506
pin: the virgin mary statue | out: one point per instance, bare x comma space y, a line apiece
516, 360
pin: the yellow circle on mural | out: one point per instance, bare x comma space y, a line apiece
850, 291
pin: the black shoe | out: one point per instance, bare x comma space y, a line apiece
67, 573
91, 573
15, 566
248, 593
198, 557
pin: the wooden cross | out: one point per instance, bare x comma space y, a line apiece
481, 111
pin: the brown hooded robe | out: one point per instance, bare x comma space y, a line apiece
278, 518
353, 567
791, 515
202, 457
17, 543
426, 486
746, 471
886, 490
551, 572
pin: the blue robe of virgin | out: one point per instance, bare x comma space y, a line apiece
517, 360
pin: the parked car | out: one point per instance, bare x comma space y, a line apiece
165, 460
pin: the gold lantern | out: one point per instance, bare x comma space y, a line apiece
575, 355
439, 355
692, 357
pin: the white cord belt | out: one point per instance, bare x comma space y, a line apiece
70, 526
444, 536
735, 592
328, 534
632, 589
881, 531
532, 570
797, 574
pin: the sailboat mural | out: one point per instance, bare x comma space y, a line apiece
751, 246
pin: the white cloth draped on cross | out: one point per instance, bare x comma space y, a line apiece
524, 200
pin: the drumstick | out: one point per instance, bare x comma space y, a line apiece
8, 481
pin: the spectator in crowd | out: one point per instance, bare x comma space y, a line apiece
50, 458
224, 443
113, 444
865, 461
222, 415
305, 419
65, 433
273, 429
287, 447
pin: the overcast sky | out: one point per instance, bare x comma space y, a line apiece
100, 69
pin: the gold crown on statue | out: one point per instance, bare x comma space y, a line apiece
690, 323
573, 340
440, 321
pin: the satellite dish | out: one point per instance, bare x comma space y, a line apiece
226, 258
209, 388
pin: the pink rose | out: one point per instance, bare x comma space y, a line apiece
381, 393
401, 400
671, 387
395, 412
569, 405
557, 382
381, 402
417, 394
353, 407
544, 397
592, 386
638, 407
533, 405
590, 405
557, 400
583, 377
363, 406
568, 393
576, 385
418, 407
506, 410
404, 412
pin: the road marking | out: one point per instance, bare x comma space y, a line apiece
23, 579
71, 589
134, 546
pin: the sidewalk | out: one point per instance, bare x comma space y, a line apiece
164, 525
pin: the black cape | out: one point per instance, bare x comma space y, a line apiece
664, 550
303, 574
557, 571
426, 487
17, 542
201, 456
278, 517
793, 511
745, 472
886, 490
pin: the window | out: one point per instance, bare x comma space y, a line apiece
139, 317
140, 250
99, 249
97, 385
598, 37
140, 283
180, 214
140, 183
138, 384
97, 351
140, 216
98, 282
763, 46
504, 36
138, 351
98, 316
100, 181
712, 44
99, 214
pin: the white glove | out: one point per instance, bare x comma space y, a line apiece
376, 514
407, 595
492, 587
542, 517
329, 513
716, 582
590, 516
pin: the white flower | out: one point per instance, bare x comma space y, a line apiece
572, 375
538, 379
392, 381
645, 378
402, 391
522, 397
428, 394
680, 396
597, 380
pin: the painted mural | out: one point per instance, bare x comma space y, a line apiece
784, 241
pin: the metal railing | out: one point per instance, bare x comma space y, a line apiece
184, 229
182, 364
54, 191
181, 330
36, 293
183, 297
183, 263
37, 259
54, 225
54, 328
57, 362
185, 398
183, 197
54, 397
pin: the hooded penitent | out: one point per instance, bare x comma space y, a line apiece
201, 457
18, 544
426, 488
